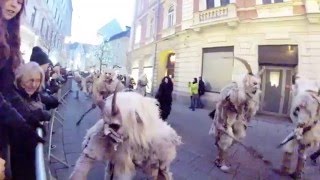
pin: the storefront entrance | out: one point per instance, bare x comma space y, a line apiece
280, 62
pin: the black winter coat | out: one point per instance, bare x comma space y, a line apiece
164, 97
10, 119
202, 88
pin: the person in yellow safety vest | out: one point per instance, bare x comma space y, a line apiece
194, 93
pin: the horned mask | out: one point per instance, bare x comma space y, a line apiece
251, 82
305, 108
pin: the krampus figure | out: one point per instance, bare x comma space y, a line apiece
142, 85
105, 85
238, 103
131, 135
305, 113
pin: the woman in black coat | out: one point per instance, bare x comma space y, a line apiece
10, 59
164, 97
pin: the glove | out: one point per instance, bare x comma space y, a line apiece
50, 101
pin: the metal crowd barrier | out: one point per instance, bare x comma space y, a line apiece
40, 162
41, 172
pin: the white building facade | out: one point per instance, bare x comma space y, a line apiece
282, 36
46, 24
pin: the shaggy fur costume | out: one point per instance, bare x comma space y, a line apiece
142, 85
131, 135
238, 103
305, 114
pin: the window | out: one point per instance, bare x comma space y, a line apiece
224, 2
151, 27
171, 16
216, 69
47, 33
41, 28
210, 4
55, 14
271, 1
137, 36
33, 16
216, 3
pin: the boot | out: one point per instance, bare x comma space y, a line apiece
220, 161
286, 162
300, 165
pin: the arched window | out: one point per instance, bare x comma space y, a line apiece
171, 16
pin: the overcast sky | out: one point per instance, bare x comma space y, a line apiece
91, 15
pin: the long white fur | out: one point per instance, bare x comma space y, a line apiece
148, 136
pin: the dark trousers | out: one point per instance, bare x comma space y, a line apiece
200, 104
194, 101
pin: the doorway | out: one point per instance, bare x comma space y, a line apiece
280, 63
276, 86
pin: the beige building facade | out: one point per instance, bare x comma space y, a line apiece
46, 23
282, 36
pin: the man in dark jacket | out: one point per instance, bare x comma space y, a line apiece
201, 91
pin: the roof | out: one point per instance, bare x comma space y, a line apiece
125, 33
110, 29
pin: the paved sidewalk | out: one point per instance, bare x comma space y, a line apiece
195, 157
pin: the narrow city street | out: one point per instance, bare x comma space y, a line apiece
195, 157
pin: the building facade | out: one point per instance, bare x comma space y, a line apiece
119, 44
192, 38
46, 24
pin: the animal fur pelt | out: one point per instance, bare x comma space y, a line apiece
142, 85
131, 135
238, 103
305, 114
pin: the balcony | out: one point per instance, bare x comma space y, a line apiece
313, 10
226, 14
284, 9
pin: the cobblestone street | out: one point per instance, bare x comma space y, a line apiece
195, 157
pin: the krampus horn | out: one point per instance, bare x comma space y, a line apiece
261, 71
244, 62
114, 109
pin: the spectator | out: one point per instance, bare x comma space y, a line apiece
194, 93
10, 59
28, 82
189, 87
201, 92
164, 97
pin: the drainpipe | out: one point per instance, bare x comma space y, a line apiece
156, 44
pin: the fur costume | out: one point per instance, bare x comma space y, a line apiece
142, 85
105, 85
131, 135
305, 114
238, 103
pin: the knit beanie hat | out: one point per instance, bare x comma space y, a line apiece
39, 56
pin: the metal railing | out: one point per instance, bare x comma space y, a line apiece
40, 162
41, 154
